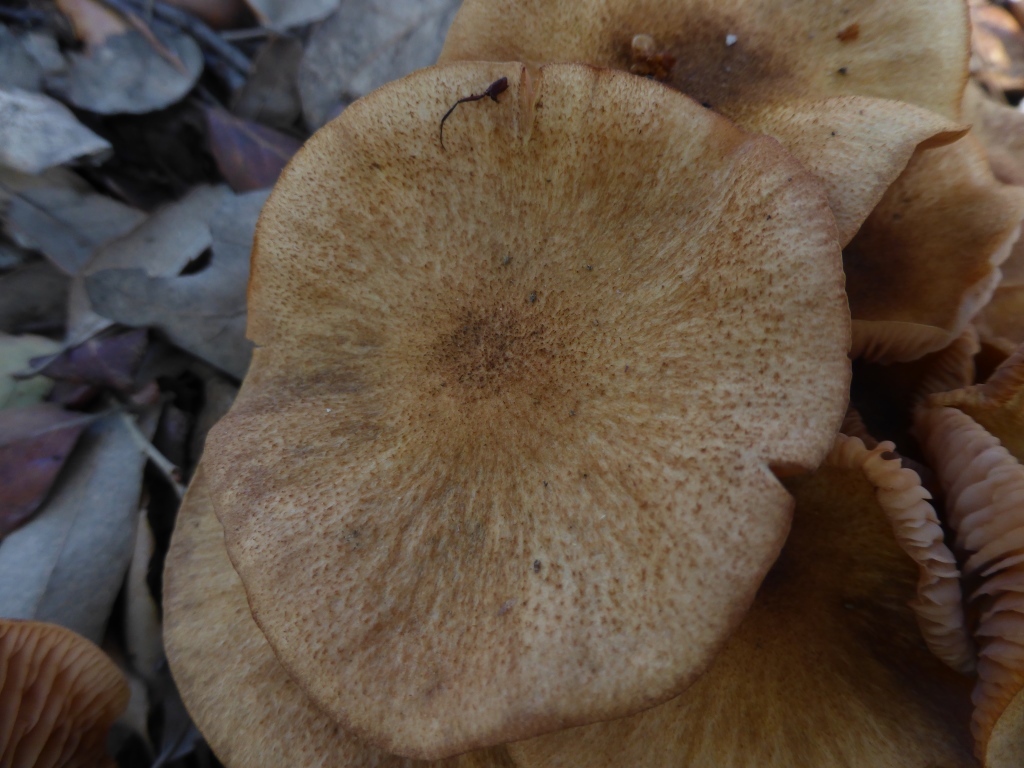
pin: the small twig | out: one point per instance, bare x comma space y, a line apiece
493, 90
161, 462
203, 35
142, 27
243, 35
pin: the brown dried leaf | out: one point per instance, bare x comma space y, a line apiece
34, 444
250, 156
93, 21
108, 361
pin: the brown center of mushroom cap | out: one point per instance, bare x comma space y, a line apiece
490, 351
710, 63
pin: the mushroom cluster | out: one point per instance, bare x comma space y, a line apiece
545, 456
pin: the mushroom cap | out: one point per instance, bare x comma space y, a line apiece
827, 668
825, 79
505, 448
59, 695
927, 258
250, 712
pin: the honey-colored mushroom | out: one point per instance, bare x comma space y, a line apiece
59, 695
503, 461
974, 438
851, 89
829, 668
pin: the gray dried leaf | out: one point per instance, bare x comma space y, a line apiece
368, 43
204, 312
67, 565
62, 218
42, 46
18, 68
15, 354
271, 94
161, 246
33, 298
282, 14
37, 132
128, 75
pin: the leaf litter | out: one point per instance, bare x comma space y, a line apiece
138, 142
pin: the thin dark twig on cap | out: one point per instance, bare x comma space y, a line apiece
493, 90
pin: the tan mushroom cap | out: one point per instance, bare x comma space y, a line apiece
823, 78
504, 450
250, 712
984, 487
59, 695
828, 669
927, 258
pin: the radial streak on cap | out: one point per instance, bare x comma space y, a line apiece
59, 695
823, 78
501, 464
828, 668
241, 699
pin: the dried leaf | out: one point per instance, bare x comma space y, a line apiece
62, 218
108, 361
271, 94
127, 75
15, 354
204, 312
34, 444
161, 246
18, 68
33, 299
217, 14
250, 156
93, 22
281, 14
368, 43
67, 565
37, 132
143, 635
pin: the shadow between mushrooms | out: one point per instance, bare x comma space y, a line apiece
851, 89
502, 463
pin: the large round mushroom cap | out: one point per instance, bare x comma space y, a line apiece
59, 695
824, 78
828, 669
503, 461
248, 709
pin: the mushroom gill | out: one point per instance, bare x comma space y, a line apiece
506, 445
974, 439
829, 668
59, 695
851, 89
